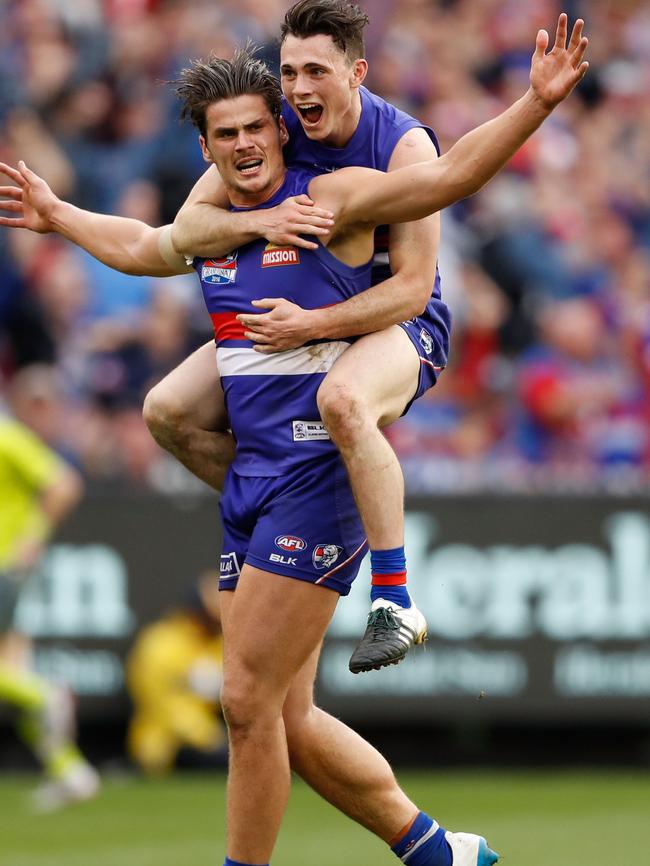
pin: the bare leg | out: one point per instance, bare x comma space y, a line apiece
263, 653
340, 765
366, 389
185, 414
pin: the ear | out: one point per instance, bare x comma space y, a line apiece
358, 72
207, 156
284, 132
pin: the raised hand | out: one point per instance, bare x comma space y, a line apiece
31, 200
554, 75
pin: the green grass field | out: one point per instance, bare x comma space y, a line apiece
532, 819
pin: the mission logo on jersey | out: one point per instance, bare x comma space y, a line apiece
220, 271
274, 256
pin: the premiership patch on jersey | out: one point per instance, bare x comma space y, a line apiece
274, 256
325, 555
304, 431
220, 271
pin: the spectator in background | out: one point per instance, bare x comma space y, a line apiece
81, 101
37, 491
174, 675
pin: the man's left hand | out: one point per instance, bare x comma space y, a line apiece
285, 326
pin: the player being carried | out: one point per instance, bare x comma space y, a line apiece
333, 122
287, 505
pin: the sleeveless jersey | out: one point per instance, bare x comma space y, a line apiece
271, 399
381, 126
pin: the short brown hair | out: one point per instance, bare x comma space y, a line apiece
204, 83
344, 22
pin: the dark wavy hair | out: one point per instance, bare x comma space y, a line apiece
204, 83
344, 22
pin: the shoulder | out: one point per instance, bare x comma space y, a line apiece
392, 125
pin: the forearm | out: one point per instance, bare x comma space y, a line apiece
123, 244
203, 229
481, 153
395, 300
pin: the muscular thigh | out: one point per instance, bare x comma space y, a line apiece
273, 628
194, 391
383, 369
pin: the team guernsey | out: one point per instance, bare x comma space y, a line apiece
287, 506
381, 126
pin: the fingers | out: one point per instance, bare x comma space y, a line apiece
13, 223
11, 192
303, 243
576, 34
12, 206
560, 33
579, 52
541, 44
11, 172
257, 337
303, 198
267, 303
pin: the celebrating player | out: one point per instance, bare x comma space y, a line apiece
333, 121
287, 507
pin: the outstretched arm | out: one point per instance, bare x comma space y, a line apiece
125, 244
205, 227
364, 197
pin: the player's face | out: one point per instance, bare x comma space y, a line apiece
321, 85
245, 143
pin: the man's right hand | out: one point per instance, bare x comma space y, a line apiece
291, 222
31, 199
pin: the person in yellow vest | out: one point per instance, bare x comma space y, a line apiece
174, 675
37, 491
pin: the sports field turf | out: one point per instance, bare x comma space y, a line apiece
533, 819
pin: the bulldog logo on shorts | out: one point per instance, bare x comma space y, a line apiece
325, 555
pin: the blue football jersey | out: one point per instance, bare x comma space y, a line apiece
271, 399
381, 126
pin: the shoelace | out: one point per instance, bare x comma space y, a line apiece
382, 621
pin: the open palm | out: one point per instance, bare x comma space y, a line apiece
554, 75
31, 201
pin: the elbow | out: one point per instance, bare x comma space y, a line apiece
417, 292
179, 236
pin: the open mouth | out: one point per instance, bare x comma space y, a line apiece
310, 112
249, 166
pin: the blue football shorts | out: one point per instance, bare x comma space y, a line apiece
303, 524
424, 335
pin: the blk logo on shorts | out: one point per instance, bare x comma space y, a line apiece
220, 271
325, 555
290, 542
273, 256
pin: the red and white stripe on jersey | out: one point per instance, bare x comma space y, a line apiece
242, 361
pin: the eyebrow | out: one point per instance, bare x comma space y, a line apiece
220, 130
308, 66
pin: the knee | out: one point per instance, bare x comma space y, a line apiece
162, 414
243, 706
344, 411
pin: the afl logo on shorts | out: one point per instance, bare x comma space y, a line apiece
273, 256
325, 555
290, 542
220, 271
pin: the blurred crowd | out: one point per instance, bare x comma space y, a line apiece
547, 271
